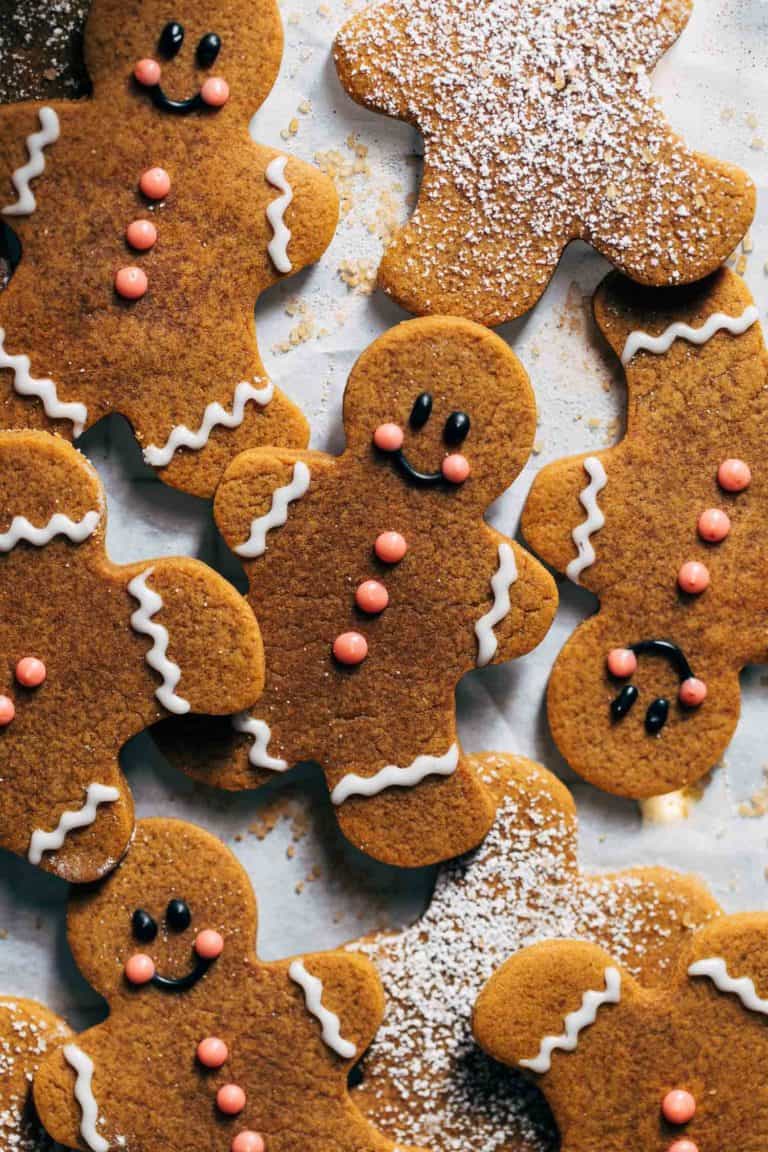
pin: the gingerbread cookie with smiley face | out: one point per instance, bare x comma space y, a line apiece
28, 1031
149, 222
378, 585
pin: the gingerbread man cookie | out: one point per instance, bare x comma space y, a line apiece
205, 1045
539, 127
27, 1032
424, 1080
668, 529
675, 1068
93, 653
378, 585
149, 222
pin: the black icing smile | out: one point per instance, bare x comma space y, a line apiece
657, 713
179, 107
169, 45
455, 432
177, 919
181, 983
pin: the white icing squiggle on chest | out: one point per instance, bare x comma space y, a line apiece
45, 390
393, 776
78, 818
313, 997
594, 522
149, 604
256, 544
716, 970
83, 1066
719, 321
35, 166
575, 1022
215, 416
278, 245
59, 525
258, 753
502, 580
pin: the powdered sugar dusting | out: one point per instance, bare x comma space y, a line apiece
24, 1042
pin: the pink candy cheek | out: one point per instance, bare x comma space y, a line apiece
147, 72
215, 92
30, 672
139, 969
7, 711
678, 1106
212, 1052
209, 944
683, 1146
388, 437
734, 475
141, 234
622, 663
350, 648
714, 525
692, 692
372, 597
390, 547
248, 1142
155, 183
131, 283
455, 468
693, 578
230, 1099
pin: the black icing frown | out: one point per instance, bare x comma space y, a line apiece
454, 468
140, 968
214, 92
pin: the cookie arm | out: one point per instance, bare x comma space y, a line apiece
521, 605
371, 53
55, 1102
27, 133
311, 217
343, 992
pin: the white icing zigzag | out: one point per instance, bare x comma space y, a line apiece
59, 525
644, 342
149, 604
715, 968
576, 1021
83, 1066
35, 166
594, 522
313, 997
258, 754
278, 245
26, 385
393, 776
502, 580
256, 544
79, 818
215, 415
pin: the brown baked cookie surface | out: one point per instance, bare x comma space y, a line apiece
93, 653
149, 222
378, 585
27, 1032
539, 127
668, 530
205, 1045
423, 1079
674, 1068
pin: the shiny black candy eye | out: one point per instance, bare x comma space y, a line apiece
178, 916
656, 716
421, 411
624, 702
171, 39
456, 428
144, 927
208, 49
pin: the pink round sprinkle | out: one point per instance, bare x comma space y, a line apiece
230, 1099
147, 72
7, 711
372, 597
215, 92
141, 234
622, 663
350, 648
212, 1052
155, 183
714, 525
734, 475
678, 1106
455, 468
30, 672
388, 437
131, 283
693, 577
390, 547
248, 1142
683, 1146
139, 968
209, 944
692, 692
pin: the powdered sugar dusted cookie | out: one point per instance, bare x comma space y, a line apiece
668, 529
423, 1079
150, 222
539, 127
92, 654
27, 1032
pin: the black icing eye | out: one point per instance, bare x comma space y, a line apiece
421, 411
178, 916
208, 49
171, 39
456, 428
144, 927
656, 716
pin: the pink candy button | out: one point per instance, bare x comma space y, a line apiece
248, 1142
141, 234
139, 968
30, 672
371, 597
622, 663
215, 92
692, 692
212, 1052
390, 547
683, 1146
209, 944
455, 468
230, 1099
131, 283
147, 72
7, 711
693, 577
155, 183
714, 525
388, 437
350, 648
678, 1106
734, 475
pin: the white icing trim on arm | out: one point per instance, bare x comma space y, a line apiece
45, 390
576, 1021
256, 544
278, 245
643, 342
59, 525
83, 1066
716, 970
150, 602
313, 998
393, 776
43, 841
502, 580
49, 133
214, 416
258, 753
594, 522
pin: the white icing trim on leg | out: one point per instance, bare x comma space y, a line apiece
643, 342
313, 998
258, 753
59, 525
45, 390
256, 544
278, 245
502, 580
83, 1066
43, 841
576, 1021
716, 970
594, 522
50, 130
150, 602
393, 776
214, 416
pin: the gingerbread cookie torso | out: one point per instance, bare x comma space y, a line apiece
378, 585
539, 127
28, 1031
149, 222
669, 530
205, 1046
